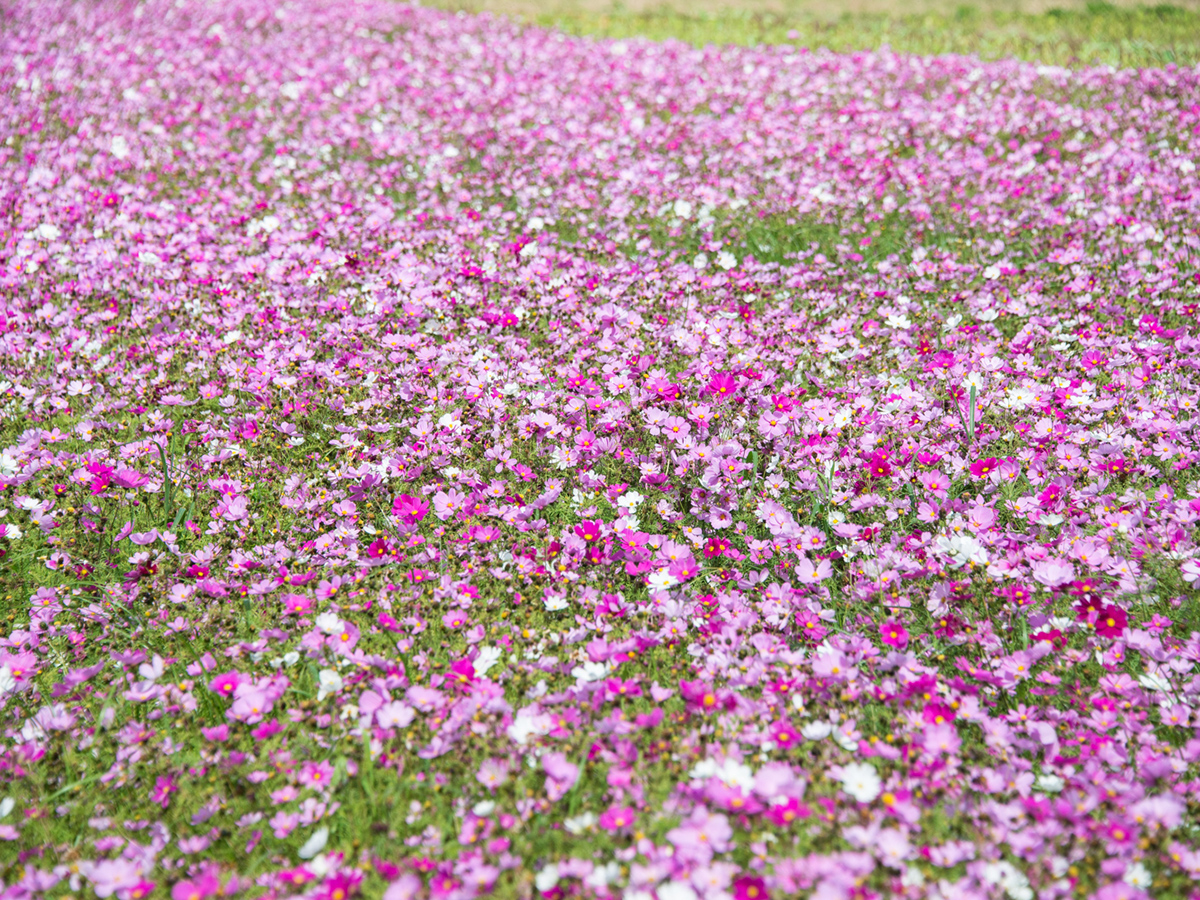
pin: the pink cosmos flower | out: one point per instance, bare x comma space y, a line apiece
877, 465
493, 773
561, 775
1111, 622
699, 695
684, 569
722, 385
1053, 572
327, 589
345, 639
297, 604
225, 684
787, 812
784, 735
981, 468
315, 775
893, 634
935, 483
590, 531
462, 672
164, 786
809, 572
618, 818
447, 504
409, 510
750, 887
250, 705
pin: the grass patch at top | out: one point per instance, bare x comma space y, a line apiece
1098, 34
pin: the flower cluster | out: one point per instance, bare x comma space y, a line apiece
442, 458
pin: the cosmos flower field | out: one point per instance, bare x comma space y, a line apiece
446, 459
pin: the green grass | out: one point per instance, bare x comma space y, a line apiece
1098, 34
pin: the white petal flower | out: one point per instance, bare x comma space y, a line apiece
591, 671
487, 658
314, 844
861, 781
580, 823
329, 682
546, 878
816, 731
329, 623
1137, 875
1051, 784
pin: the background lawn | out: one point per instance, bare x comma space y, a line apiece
1059, 33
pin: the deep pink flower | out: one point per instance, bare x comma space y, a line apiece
1111, 622
722, 384
462, 672
877, 465
750, 887
716, 547
789, 811
590, 531
225, 684
700, 696
1017, 594
341, 885
784, 735
618, 818
894, 634
409, 509
297, 604
164, 786
981, 468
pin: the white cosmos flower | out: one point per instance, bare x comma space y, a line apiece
1154, 682
329, 623
487, 658
329, 682
546, 878
591, 671
580, 823
661, 580
675, 890
861, 781
1006, 876
314, 844
816, 731
1051, 784
1137, 875
631, 500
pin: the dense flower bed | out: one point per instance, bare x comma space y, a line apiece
447, 459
